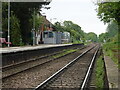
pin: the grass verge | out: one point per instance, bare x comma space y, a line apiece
99, 73
111, 49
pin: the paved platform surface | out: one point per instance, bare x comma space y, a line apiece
112, 72
25, 48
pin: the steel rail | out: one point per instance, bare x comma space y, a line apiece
37, 65
62, 69
32, 60
87, 76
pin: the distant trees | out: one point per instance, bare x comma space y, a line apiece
77, 35
92, 37
58, 26
75, 31
103, 37
112, 29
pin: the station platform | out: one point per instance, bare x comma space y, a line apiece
112, 73
26, 48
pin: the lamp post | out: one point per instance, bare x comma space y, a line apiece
9, 22
33, 30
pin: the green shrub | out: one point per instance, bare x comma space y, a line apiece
15, 31
109, 49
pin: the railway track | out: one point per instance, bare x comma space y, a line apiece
11, 70
91, 85
75, 75
31, 77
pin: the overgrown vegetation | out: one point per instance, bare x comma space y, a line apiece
110, 42
109, 12
99, 73
111, 49
77, 34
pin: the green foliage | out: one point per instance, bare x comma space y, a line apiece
76, 42
77, 35
59, 27
74, 29
111, 49
103, 37
108, 11
38, 21
23, 11
15, 31
92, 37
100, 73
111, 32
112, 29
4, 17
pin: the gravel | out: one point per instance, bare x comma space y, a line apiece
73, 77
31, 78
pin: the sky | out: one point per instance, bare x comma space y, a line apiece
81, 12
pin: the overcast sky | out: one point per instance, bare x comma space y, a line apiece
81, 12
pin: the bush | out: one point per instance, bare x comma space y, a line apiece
15, 31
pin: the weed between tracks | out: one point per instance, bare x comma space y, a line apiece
100, 73
65, 53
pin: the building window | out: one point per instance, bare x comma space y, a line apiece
50, 34
45, 34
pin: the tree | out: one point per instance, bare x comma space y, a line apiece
75, 31
92, 37
77, 35
23, 11
108, 11
4, 17
112, 29
15, 31
103, 37
111, 33
58, 27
